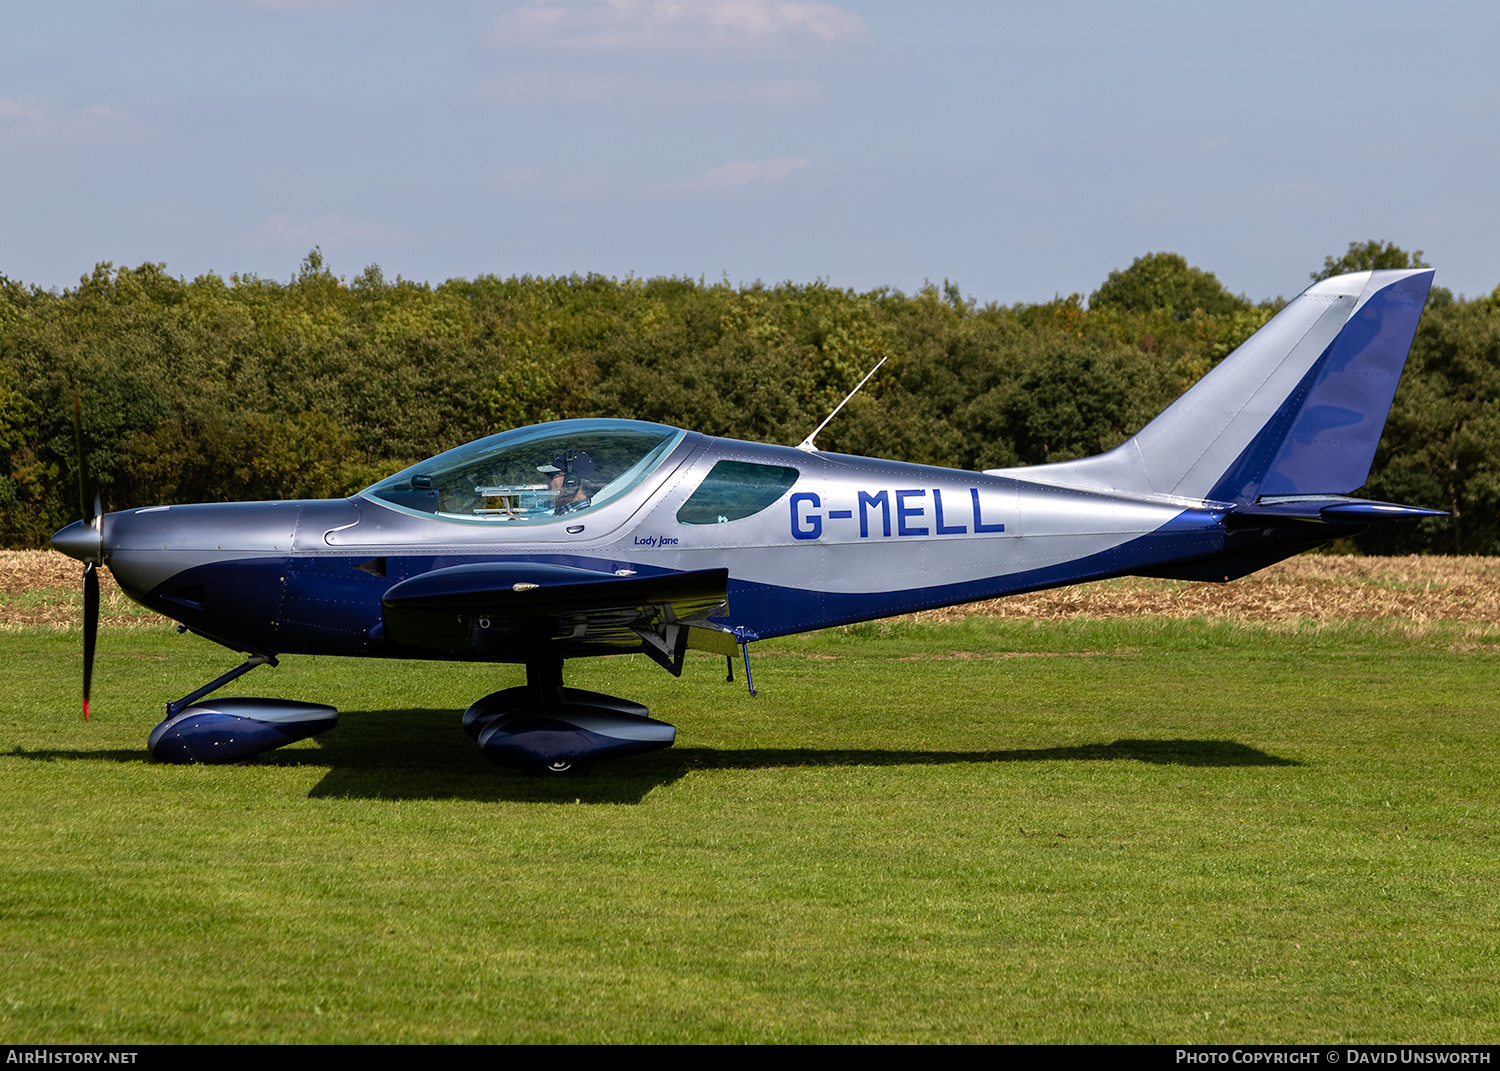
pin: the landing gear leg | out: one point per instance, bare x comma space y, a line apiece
743, 636
188, 700
544, 678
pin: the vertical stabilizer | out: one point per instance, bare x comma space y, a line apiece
1297, 409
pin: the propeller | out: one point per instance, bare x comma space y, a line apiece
92, 548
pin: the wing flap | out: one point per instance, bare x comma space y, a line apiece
510, 610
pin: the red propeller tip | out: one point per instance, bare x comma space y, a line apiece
85, 710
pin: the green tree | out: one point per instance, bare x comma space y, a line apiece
1165, 281
1441, 446
1363, 256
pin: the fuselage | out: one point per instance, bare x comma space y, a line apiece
845, 539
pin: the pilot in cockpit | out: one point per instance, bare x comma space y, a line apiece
572, 477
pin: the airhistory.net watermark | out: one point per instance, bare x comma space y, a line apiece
42, 1055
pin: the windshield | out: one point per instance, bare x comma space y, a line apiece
536, 475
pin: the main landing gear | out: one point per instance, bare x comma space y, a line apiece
544, 728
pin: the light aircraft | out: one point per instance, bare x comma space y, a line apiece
603, 537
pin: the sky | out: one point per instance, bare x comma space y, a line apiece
1020, 150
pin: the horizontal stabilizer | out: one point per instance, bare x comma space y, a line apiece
536, 609
1331, 509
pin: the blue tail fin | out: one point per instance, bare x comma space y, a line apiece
1298, 409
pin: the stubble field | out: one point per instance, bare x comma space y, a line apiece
1133, 811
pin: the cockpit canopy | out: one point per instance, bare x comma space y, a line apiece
537, 475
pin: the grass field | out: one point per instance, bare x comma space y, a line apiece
1068, 826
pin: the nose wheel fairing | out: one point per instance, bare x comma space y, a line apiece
235, 729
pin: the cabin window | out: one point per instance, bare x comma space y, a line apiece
734, 490
537, 475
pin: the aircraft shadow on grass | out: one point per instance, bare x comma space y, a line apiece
422, 754
396, 769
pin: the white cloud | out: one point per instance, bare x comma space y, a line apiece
731, 179
744, 172
36, 122
661, 91
300, 6
670, 55
636, 25
28, 110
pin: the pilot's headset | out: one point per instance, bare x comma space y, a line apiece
572, 480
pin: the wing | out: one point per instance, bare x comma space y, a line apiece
518, 611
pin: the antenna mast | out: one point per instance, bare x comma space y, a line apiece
807, 444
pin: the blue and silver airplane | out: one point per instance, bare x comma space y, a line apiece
605, 537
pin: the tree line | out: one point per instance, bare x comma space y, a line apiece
246, 388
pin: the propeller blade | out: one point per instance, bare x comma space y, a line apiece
95, 518
90, 628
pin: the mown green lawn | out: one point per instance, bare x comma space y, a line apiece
1123, 831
